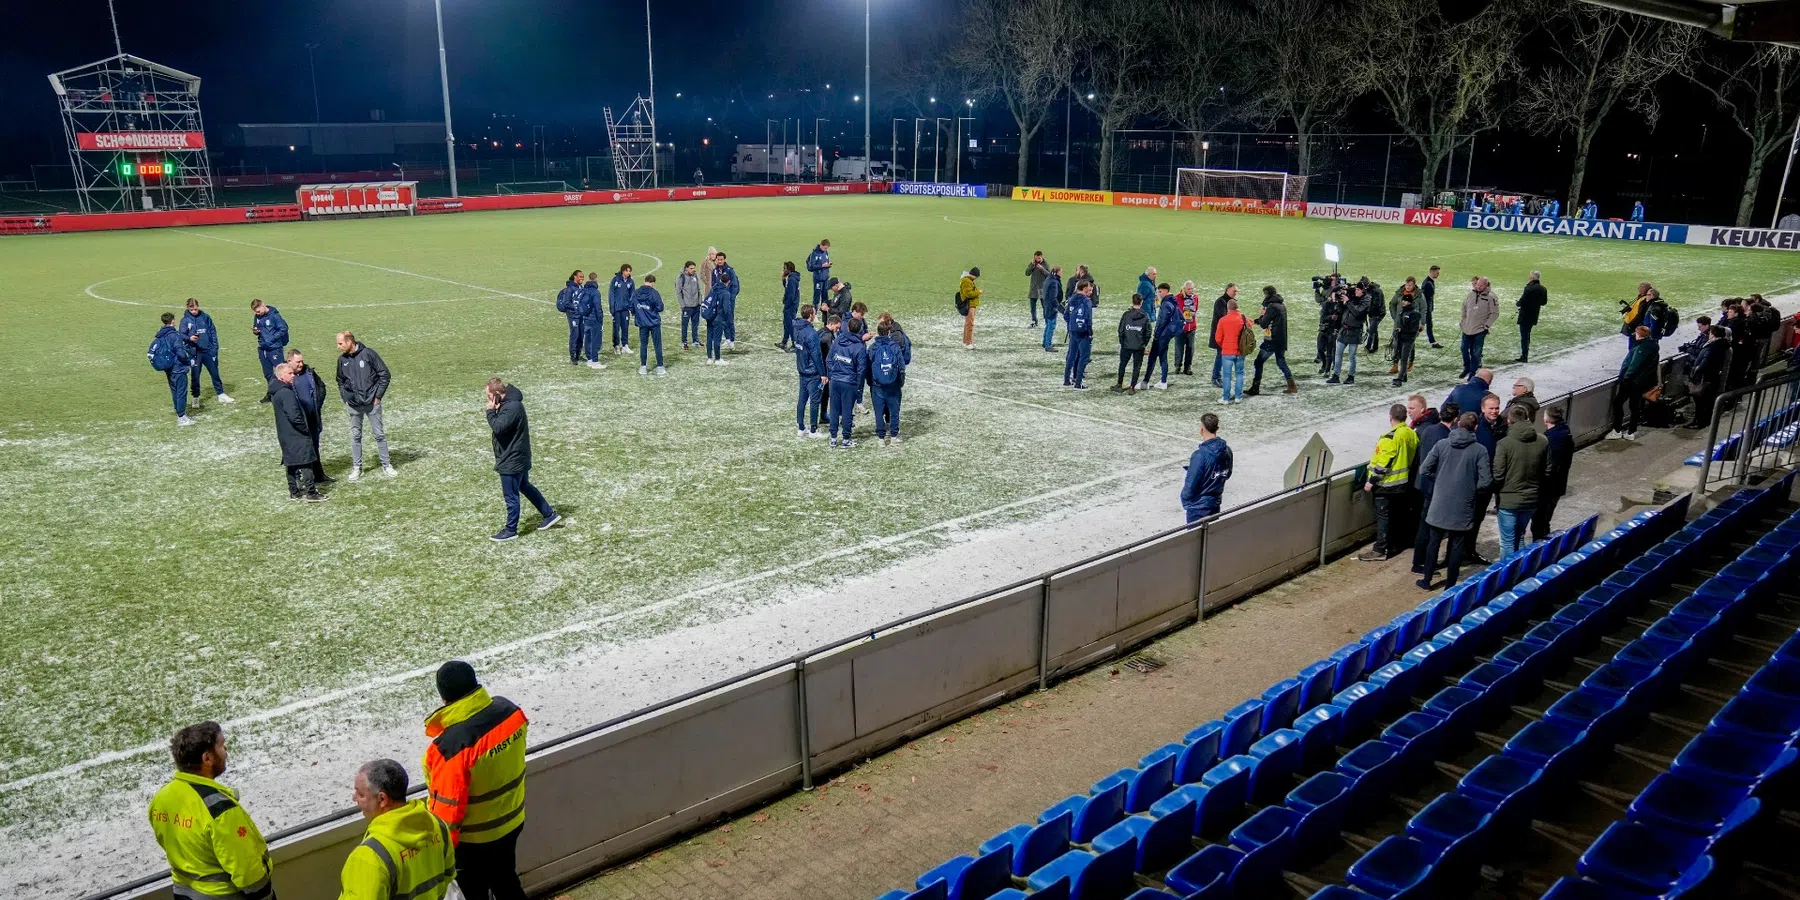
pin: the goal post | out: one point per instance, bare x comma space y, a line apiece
1237, 190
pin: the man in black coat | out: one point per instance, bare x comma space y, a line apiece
293, 430
1273, 322
1706, 377
1556, 470
512, 457
1532, 299
1212, 330
309, 388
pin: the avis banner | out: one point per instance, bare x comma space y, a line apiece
939, 189
1594, 228
1757, 238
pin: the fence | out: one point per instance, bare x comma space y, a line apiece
1759, 423
625, 785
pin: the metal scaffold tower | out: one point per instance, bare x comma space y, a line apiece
633, 139
136, 139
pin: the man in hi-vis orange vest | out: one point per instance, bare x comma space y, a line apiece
475, 772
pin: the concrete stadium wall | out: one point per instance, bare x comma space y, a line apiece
616, 791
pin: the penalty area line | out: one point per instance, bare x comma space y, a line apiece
352, 262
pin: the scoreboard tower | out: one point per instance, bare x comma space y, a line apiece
136, 140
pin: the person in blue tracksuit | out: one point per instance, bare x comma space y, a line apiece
887, 367
844, 370
618, 301
1590, 211
593, 318
1168, 328
271, 332
1080, 321
728, 276
203, 337
172, 356
647, 308
811, 373
1053, 303
818, 262
790, 304
1207, 471
1146, 289
712, 311
1637, 211
568, 302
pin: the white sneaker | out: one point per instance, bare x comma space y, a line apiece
720, 362
1629, 435
388, 470
596, 364
643, 370
800, 434
661, 371
1615, 435
226, 398
731, 345
183, 420
896, 439
1162, 385
356, 473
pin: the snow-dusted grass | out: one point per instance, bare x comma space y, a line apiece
155, 576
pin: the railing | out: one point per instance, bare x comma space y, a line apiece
625, 785
1759, 424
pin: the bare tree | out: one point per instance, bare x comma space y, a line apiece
1018, 49
1118, 59
1297, 77
1204, 85
1438, 81
1759, 85
1603, 57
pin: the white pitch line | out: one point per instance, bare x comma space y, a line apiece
396, 678
352, 262
1051, 409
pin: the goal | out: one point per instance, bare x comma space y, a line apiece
532, 187
1233, 190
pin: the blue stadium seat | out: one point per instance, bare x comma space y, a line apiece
1583, 889
1360, 703
1243, 725
1381, 645
970, 877
1206, 875
1280, 702
1686, 805
1338, 892
1152, 894
1227, 788
1315, 683
1460, 707
1351, 659
1322, 802
936, 891
1370, 766
1417, 735
1319, 729
1160, 842
1142, 786
1089, 815
1457, 828
1399, 680
1430, 664
1409, 629
1508, 783
1554, 747
1267, 840
1202, 752
1090, 876
1641, 858
1032, 845
1279, 758
1778, 679
1399, 868
1733, 759
1760, 717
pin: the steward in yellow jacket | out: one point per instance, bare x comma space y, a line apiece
214, 848
406, 853
1390, 481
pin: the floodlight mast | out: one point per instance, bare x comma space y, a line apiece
444, 79
650, 49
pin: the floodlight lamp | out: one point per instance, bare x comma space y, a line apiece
1090, 96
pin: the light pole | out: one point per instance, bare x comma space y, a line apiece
1068, 125
868, 104
937, 143
650, 52
959, 139
915, 165
314, 70
894, 148
769, 146
444, 79
1775, 221
818, 150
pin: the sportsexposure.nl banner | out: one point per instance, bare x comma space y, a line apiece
939, 189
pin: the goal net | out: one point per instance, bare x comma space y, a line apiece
1232, 190
532, 187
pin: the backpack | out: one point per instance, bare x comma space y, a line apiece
886, 368
962, 306
1246, 339
1662, 318
709, 308
162, 355
565, 301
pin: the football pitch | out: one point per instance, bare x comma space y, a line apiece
154, 576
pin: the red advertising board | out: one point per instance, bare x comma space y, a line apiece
357, 199
429, 205
63, 223
1210, 204
1431, 218
141, 140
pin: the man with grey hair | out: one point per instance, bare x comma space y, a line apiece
405, 851
1531, 300
1524, 394
295, 434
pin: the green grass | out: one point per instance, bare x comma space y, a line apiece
154, 576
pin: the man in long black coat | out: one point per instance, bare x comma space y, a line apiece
1531, 300
294, 431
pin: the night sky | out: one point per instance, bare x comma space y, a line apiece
555, 61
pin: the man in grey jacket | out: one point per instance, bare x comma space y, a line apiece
1480, 310
1458, 469
1039, 272
688, 292
362, 380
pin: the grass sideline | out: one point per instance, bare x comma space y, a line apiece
158, 576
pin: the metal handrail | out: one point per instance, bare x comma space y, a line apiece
1747, 435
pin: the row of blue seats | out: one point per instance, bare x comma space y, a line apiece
1445, 843
1776, 431
1142, 819
1675, 827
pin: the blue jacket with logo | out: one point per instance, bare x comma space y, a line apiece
569, 300
647, 307
587, 303
274, 334
179, 350
200, 325
1168, 320
815, 263
719, 276
806, 349
790, 293
1080, 316
848, 362
1208, 470
618, 294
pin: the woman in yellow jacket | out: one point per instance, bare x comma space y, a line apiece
970, 295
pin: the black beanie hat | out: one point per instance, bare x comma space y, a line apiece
456, 680
975, 271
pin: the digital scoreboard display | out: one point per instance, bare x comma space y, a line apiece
147, 169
